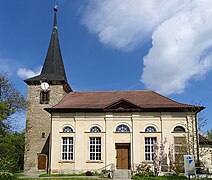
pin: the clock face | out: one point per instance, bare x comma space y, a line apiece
44, 86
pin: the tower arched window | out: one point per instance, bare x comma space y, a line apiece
95, 129
122, 128
67, 129
150, 129
179, 129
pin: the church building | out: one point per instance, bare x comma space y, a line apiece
71, 132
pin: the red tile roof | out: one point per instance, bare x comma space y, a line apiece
204, 141
99, 100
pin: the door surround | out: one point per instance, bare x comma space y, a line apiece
122, 155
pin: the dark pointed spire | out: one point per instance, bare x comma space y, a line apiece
53, 69
53, 64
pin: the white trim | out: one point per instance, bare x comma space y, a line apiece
93, 125
67, 144
89, 145
179, 125
122, 123
63, 126
153, 125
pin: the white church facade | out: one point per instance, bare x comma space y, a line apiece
92, 130
70, 132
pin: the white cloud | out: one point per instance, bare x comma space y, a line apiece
180, 31
182, 50
27, 73
5, 65
124, 24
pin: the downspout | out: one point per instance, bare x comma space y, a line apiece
75, 124
189, 148
105, 143
161, 126
50, 146
132, 168
197, 139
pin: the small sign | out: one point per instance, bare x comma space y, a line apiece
189, 165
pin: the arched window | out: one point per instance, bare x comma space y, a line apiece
95, 129
67, 129
150, 129
122, 128
179, 129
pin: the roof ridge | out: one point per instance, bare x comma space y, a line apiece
105, 91
171, 99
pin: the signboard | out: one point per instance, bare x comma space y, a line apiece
189, 165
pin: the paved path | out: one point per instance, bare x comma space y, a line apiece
33, 175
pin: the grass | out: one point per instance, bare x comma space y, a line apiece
134, 178
164, 178
159, 178
57, 178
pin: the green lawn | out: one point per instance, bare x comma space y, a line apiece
58, 178
144, 178
160, 178
164, 178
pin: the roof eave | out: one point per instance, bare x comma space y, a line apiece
186, 109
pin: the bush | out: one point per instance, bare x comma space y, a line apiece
7, 165
7, 176
89, 173
179, 169
144, 170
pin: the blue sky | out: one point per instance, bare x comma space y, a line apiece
115, 45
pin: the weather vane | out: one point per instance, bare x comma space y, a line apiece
55, 7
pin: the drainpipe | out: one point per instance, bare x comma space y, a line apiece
197, 138
161, 126
105, 142
132, 145
189, 148
50, 147
75, 137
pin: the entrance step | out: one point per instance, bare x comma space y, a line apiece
124, 174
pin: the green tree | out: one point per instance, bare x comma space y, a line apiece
11, 102
11, 143
12, 152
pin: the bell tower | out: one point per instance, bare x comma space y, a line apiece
44, 91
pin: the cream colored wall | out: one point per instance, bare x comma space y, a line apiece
82, 122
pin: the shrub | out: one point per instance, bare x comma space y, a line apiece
89, 173
179, 168
7, 165
7, 176
144, 170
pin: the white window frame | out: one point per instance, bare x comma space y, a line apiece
151, 129
180, 145
95, 129
67, 129
95, 148
122, 128
149, 148
67, 149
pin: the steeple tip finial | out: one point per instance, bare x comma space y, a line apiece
55, 17
55, 8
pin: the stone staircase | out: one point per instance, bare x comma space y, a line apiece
124, 174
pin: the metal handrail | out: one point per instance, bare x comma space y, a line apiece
111, 164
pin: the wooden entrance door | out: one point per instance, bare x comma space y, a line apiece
122, 156
42, 162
